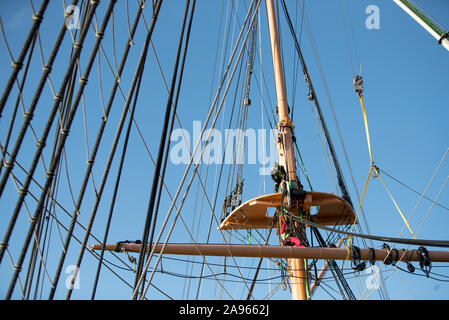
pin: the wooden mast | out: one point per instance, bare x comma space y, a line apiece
285, 145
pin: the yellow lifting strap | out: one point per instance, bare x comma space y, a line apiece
366, 127
396, 205
358, 87
360, 203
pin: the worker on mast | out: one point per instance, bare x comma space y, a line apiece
278, 174
287, 238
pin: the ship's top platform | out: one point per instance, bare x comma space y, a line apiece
252, 214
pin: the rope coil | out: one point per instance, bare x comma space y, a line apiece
358, 265
424, 260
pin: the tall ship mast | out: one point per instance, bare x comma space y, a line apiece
96, 144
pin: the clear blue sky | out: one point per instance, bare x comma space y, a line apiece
406, 75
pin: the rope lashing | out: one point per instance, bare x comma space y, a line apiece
424, 261
358, 265
119, 243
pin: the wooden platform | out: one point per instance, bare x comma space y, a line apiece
332, 210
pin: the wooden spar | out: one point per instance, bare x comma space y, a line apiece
285, 144
288, 252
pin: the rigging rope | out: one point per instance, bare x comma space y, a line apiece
421, 194
18, 64
29, 114
228, 183
64, 134
53, 215
116, 185
202, 133
93, 155
307, 77
52, 196
28, 117
57, 171
313, 98
422, 242
163, 150
184, 138
314, 48
19, 98
139, 71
